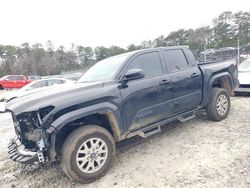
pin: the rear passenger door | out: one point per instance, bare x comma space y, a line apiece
186, 78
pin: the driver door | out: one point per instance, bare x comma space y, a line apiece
147, 100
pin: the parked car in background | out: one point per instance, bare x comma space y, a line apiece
35, 87
69, 76
74, 76
34, 77
13, 81
44, 83
218, 55
244, 78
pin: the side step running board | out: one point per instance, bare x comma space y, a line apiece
151, 132
187, 117
156, 127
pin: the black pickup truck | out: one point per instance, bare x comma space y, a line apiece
120, 97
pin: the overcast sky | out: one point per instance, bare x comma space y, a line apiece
104, 22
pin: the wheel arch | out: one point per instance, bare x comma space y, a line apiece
60, 129
221, 80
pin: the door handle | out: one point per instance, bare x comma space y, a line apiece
194, 75
164, 82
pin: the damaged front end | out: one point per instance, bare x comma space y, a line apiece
30, 146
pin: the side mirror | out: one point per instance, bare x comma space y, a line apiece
133, 74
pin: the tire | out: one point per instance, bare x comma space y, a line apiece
219, 105
1, 87
80, 141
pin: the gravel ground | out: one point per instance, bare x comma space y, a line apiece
198, 153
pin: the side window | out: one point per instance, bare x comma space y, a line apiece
11, 78
150, 63
19, 78
54, 81
39, 84
176, 60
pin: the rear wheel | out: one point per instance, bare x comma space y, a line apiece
219, 105
88, 153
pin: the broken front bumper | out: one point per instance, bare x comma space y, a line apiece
18, 153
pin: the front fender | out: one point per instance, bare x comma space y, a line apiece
101, 108
106, 108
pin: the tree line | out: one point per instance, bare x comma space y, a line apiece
227, 29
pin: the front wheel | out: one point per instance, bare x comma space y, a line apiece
219, 105
88, 153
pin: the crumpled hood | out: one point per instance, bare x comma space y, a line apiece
57, 96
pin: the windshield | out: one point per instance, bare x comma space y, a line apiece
244, 66
103, 70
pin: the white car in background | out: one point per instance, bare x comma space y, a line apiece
44, 83
244, 78
35, 87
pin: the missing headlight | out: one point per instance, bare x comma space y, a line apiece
43, 112
29, 120
34, 135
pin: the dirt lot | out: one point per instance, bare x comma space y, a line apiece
199, 153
